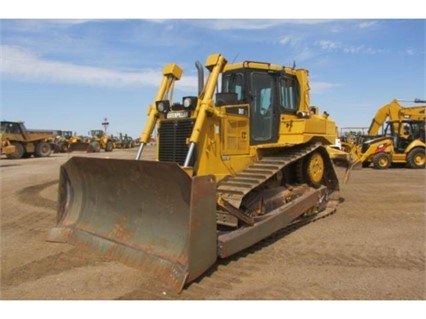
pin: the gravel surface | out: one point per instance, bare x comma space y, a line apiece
372, 248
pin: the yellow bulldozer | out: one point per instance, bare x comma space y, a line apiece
234, 165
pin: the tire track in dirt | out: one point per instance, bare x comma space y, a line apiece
335, 254
34, 224
34, 221
228, 274
31, 195
31, 224
237, 272
224, 275
50, 265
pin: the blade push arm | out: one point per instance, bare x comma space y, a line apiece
215, 63
171, 73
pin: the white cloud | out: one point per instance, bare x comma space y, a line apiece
304, 54
367, 24
321, 87
361, 49
350, 49
292, 40
42, 25
286, 40
251, 24
413, 52
23, 65
328, 45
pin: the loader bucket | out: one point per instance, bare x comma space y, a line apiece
146, 214
80, 147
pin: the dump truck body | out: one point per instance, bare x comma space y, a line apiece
24, 142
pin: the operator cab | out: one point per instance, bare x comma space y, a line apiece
404, 133
11, 127
268, 90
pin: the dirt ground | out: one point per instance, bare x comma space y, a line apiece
372, 248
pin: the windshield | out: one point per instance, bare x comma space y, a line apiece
97, 133
3, 127
233, 83
11, 128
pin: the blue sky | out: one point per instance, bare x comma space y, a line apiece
70, 74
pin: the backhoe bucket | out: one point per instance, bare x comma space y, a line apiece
146, 214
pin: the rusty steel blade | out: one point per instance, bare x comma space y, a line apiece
146, 214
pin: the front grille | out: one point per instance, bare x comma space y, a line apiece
173, 135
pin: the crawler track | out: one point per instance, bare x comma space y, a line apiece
234, 188
269, 173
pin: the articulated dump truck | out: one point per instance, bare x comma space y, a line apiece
233, 167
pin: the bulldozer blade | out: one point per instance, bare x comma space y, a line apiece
146, 214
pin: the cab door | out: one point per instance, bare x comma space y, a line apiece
263, 108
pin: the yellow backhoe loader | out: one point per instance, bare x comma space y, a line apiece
233, 166
402, 141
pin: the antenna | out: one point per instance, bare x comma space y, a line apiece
235, 57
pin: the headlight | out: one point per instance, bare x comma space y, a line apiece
189, 102
163, 106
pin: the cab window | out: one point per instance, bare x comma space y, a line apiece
233, 83
289, 94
